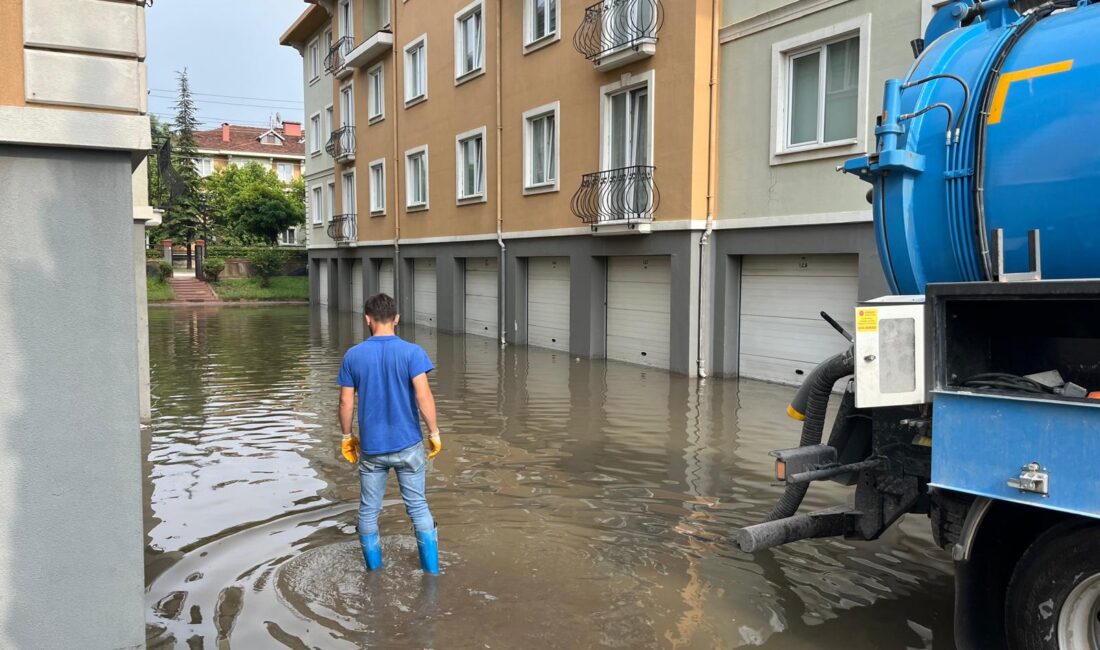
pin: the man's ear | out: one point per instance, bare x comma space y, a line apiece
396, 319
367, 318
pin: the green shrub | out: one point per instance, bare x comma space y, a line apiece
154, 254
212, 267
267, 263
164, 271
295, 255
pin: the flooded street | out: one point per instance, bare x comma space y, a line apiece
580, 504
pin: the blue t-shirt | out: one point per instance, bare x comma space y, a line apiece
381, 370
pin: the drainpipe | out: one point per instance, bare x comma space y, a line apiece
712, 144
500, 208
396, 160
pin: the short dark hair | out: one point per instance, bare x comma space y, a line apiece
381, 308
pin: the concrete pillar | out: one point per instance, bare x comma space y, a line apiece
168, 250
588, 306
200, 257
684, 309
451, 291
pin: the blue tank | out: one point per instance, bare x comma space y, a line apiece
997, 126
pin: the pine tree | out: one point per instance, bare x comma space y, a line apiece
184, 217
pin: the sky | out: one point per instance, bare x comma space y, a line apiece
239, 73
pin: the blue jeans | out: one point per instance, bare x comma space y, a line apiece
410, 465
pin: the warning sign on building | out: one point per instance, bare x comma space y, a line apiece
866, 320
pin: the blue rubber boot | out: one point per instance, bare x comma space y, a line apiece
372, 550
427, 543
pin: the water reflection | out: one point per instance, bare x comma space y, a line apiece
581, 504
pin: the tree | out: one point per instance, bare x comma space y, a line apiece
264, 212
185, 215
224, 187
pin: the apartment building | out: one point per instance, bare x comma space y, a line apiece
801, 86
496, 166
280, 147
73, 139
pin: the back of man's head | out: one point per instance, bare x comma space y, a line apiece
380, 308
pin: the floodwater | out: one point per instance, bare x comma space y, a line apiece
580, 504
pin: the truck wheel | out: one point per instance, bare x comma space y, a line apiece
1054, 596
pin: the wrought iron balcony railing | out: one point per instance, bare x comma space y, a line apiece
342, 229
621, 195
338, 54
341, 144
613, 25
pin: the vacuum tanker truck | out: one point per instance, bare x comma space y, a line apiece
971, 394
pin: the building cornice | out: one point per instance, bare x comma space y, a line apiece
769, 19
52, 127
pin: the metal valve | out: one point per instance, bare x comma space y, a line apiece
1033, 479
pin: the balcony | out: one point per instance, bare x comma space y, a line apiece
369, 50
617, 32
336, 63
618, 201
342, 229
341, 144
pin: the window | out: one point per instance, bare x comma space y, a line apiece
819, 91
271, 139
378, 187
290, 236
285, 171
470, 163
315, 133
628, 123
376, 94
316, 206
416, 178
416, 70
328, 39
344, 16
348, 182
469, 41
330, 123
204, 166
540, 146
541, 19
331, 208
314, 61
347, 105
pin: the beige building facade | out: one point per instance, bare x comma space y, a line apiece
498, 167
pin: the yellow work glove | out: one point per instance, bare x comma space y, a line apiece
350, 449
434, 444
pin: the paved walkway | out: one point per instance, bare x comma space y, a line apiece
188, 289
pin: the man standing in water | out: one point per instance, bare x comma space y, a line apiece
391, 377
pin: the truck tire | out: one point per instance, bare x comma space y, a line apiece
1053, 598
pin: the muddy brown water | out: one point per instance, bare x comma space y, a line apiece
581, 504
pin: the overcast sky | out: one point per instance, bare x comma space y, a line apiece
239, 73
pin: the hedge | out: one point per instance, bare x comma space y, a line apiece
245, 252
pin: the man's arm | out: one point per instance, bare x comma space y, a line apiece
426, 401
347, 407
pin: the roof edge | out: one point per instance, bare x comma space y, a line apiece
311, 20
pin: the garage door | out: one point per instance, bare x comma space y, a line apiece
782, 334
357, 296
424, 284
385, 278
548, 302
638, 296
481, 296
322, 282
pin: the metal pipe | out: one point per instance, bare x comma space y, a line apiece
396, 158
830, 472
712, 152
502, 327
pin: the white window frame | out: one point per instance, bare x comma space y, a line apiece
928, 9
530, 43
280, 165
376, 96
348, 119
626, 83
330, 212
204, 166
293, 232
418, 42
418, 207
315, 144
317, 204
384, 8
313, 55
347, 184
480, 197
554, 109
462, 76
349, 29
782, 53
377, 190
329, 122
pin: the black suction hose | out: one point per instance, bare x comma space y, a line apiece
815, 392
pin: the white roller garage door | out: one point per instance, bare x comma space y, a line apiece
548, 302
322, 282
424, 285
481, 296
357, 297
639, 290
385, 278
782, 334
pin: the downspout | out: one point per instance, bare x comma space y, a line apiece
712, 153
500, 208
396, 161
